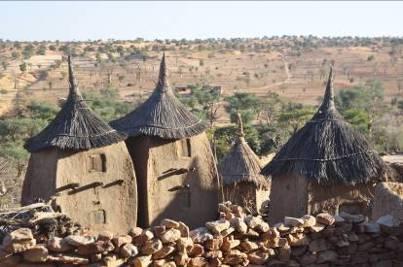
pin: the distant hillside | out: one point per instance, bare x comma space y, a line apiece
293, 67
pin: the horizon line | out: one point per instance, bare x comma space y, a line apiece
2, 39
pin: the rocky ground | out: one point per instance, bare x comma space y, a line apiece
235, 239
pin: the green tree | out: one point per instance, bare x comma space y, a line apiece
294, 116
248, 105
41, 50
204, 102
363, 100
28, 51
107, 104
224, 137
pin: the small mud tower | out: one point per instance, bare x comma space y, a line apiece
325, 166
83, 164
173, 160
240, 172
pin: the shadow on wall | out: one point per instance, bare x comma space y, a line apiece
190, 200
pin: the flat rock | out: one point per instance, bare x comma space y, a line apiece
168, 223
352, 218
121, 240
253, 221
142, 261
151, 246
325, 218
19, 240
105, 236
135, 232
309, 220
198, 262
259, 258
235, 257
57, 244
239, 225
128, 250
218, 226
292, 221
388, 221
170, 236
200, 235
78, 240
163, 252
229, 244
39, 253
248, 246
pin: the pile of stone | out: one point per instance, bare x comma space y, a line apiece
235, 239
40, 218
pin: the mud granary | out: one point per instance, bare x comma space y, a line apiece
240, 173
83, 164
325, 166
173, 161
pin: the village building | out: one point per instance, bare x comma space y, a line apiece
325, 166
173, 160
240, 173
80, 163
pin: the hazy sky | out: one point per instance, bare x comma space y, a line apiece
150, 20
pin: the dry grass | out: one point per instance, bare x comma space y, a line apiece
255, 72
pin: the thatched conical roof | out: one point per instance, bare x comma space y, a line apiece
75, 127
162, 114
241, 164
327, 150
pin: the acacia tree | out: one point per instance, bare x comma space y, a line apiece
271, 107
294, 116
204, 101
362, 105
248, 105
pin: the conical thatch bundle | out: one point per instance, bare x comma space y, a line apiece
241, 164
327, 150
75, 127
162, 115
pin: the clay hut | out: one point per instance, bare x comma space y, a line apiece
240, 173
173, 160
82, 164
325, 166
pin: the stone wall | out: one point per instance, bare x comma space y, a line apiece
235, 239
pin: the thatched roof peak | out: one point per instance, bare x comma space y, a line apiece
241, 133
73, 85
162, 84
328, 99
76, 127
162, 114
327, 150
241, 164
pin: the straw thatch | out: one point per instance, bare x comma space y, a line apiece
162, 114
241, 164
327, 150
4, 166
75, 127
